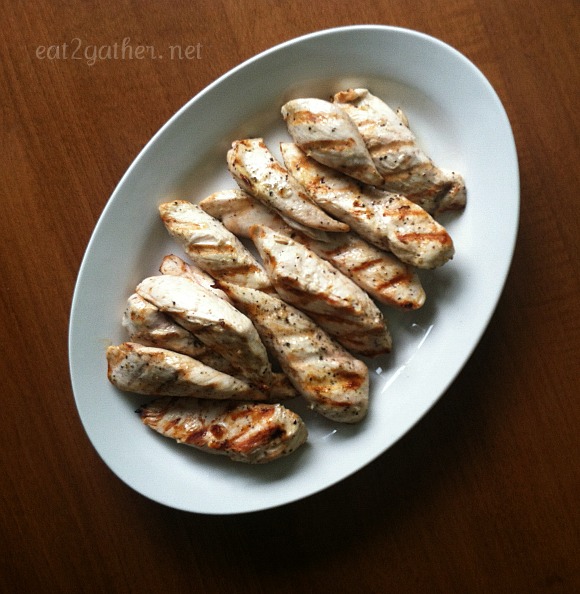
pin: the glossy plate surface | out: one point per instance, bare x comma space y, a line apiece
458, 119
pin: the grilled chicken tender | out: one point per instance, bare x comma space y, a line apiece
256, 170
389, 221
133, 367
332, 300
211, 246
404, 166
245, 432
332, 380
327, 134
379, 273
214, 321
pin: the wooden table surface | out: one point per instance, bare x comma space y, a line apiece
482, 495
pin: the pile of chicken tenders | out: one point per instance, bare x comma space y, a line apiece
341, 224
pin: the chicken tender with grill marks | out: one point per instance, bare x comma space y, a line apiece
327, 134
245, 432
404, 166
332, 300
332, 380
379, 273
256, 171
389, 221
153, 371
211, 247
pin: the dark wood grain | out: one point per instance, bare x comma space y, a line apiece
482, 495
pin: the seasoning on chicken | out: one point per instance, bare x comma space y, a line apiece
211, 246
379, 273
256, 170
390, 221
332, 300
132, 367
327, 134
332, 380
279, 388
214, 321
254, 433
404, 166
148, 326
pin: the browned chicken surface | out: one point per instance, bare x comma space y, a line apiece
332, 380
378, 272
330, 298
390, 221
256, 170
402, 163
211, 247
245, 432
328, 135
